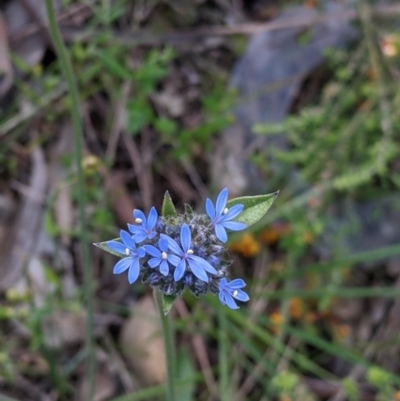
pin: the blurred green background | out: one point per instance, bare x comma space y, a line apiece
190, 97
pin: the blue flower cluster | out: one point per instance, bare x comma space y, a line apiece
184, 251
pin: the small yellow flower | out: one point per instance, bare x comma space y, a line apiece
296, 308
246, 246
341, 331
90, 165
276, 319
308, 238
274, 234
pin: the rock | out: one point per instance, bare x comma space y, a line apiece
142, 343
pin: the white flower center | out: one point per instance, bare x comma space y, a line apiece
138, 220
234, 293
190, 252
164, 256
225, 211
127, 251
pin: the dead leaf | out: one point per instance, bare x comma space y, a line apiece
173, 103
64, 328
142, 343
105, 383
32, 48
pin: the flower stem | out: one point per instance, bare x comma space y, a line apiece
223, 347
67, 71
170, 353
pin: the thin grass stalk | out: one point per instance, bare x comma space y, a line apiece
168, 335
68, 73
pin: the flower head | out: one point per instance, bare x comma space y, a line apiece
133, 254
145, 228
161, 257
187, 259
230, 290
221, 216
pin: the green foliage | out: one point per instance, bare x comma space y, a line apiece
350, 389
382, 381
342, 138
285, 383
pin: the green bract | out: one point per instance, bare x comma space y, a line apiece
255, 207
105, 247
168, 208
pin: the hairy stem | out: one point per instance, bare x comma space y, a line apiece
168, 334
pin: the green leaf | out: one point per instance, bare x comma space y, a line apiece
255, 207
112, 64
167, 301
139, 114
168, 208
166, 126
104, 247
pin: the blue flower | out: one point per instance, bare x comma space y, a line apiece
229, 291
220, 216
160, 257
133, 254
197, 265
145, 227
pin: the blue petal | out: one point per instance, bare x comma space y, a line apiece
164, 268
198, 270
202, 263
233, 212
174, 260
163, 244
138, 214
222, 283
135, 229
221, 233
179, 270
221, 296
221, 201
236, 284
116, 247
134, 271
210, 209
152, 250
140, 237
141, 252
172, 245
154, 262
230, 301
122, 265
127, 239
152, 219
151, 235
241, 296
234, 225
186, 237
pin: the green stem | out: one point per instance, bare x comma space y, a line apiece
68, 74
168, 334
223, 346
